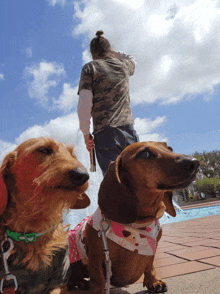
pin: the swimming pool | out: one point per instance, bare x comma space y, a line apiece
187, 214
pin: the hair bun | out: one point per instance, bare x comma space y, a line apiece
99, 33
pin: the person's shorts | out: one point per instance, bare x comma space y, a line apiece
110, 142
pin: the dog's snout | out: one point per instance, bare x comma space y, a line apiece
78, 176
188, 163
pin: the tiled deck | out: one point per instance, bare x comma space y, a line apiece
186, 250
189, 247
187, 258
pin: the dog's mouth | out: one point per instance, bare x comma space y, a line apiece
68, 188
80, 189
180, 185
145, 218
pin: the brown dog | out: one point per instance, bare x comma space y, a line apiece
136, 190
39, 180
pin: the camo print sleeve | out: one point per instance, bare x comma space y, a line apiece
86, 78
108, 80
131, 65
128, 59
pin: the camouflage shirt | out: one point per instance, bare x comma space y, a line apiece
108, 80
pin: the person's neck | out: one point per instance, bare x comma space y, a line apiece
100, 57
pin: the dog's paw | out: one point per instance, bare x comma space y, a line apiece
158, 287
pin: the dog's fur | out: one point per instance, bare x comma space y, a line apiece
40, 179
137, 188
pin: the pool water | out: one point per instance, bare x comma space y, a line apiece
74, 217
187, 214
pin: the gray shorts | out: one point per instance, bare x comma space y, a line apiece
110, 142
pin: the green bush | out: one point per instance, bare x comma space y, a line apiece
209, 186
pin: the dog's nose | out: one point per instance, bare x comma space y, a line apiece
188, 163
78, 176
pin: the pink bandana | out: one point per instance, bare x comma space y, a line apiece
140, 239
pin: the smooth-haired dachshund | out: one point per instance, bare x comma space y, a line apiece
134, 194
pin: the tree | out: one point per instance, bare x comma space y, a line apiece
209, 186
210, 163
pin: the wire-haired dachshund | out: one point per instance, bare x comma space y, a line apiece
39, 180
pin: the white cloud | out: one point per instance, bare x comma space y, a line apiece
28, 52
54, 2
86, 56
68, 99
5, 148
175, 42
66, 129
134, 4
41, 78
145, 128
1, 77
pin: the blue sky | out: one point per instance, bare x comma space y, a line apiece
175, 88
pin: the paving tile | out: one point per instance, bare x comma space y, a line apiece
184, 251
212, 235
161, 255
166, 238
186, 240
182, 269
196, 255
206, 242
188, 247
168, 261
213, 260
171, 247
171, 239
163, 244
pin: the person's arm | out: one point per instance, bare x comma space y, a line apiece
128, 59
84, 113
122, 55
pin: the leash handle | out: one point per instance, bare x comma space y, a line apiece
92, 160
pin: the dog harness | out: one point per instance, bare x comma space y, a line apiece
41, 281
139, 238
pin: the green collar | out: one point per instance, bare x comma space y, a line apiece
31, 237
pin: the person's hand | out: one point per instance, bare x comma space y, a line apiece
114, 54
89, 142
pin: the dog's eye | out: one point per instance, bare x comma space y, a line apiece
170, 148
145, 154
45, 150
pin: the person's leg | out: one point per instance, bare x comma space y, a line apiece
110, 143
106, 147
128, 136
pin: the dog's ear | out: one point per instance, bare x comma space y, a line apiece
5, 179
3, 195
167, 199
115, 199
82, 202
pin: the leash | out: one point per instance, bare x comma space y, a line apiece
9, 244
92, 160
102, 233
